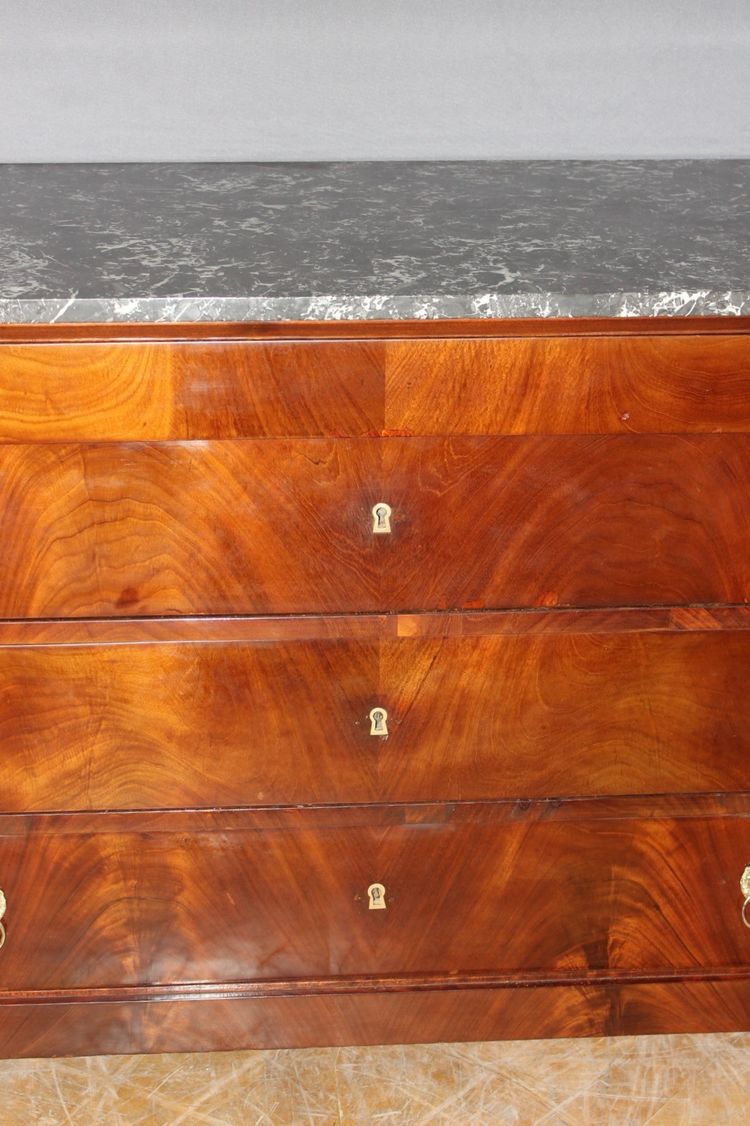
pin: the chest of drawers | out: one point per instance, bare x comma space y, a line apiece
373, 683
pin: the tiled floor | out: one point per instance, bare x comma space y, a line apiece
661, 1080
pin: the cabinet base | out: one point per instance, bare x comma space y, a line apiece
36, 1029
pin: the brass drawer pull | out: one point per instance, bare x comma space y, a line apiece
745, 889
381, 518
2, 913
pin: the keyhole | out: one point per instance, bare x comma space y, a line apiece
376, 897
378, 721
381, 518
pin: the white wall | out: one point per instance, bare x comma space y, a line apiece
104, 80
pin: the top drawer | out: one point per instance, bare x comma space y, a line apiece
156, 391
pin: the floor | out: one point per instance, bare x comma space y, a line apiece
661, 1080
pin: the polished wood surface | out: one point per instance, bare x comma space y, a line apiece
200, 390
196, 620
569, 385
86, 909
448, 328
314, 1020
293, 818
281, 526
243, 389
187, 630
284, 721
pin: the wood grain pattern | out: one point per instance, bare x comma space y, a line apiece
284, 722
569, 385
88, 909
33, 1030
153, 473
176, 726
285, 526
158, 391
206, 389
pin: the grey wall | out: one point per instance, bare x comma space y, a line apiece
318, 79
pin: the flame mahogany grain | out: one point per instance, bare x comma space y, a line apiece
206, 389
313, 1020
284, 526
99, 904
284, 721
569, 385
195, 620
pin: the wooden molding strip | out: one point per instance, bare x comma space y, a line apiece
308, 1020
265, 819
397, 983
375, 330
368, 627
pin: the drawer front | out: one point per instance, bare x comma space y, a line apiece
207, 389
203, 389
570, 385
103, 907
287, 526
286, 722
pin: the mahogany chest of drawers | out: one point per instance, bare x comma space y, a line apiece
373, 683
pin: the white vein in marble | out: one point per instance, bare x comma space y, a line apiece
162, 243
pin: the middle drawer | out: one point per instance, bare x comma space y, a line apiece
287, 526
349, 712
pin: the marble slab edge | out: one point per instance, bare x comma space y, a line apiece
354, 307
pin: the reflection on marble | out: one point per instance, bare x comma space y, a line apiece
364, 240
660, 1080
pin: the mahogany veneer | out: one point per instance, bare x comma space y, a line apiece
285, 526
285, 721
197, 622
477, 893
698, 383
308, 1018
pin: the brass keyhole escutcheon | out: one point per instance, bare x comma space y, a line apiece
379, 721
376, 897
381, 518
745, 889
2, 913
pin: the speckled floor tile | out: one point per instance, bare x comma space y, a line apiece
659, 1081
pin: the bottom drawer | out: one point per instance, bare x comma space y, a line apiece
499, 889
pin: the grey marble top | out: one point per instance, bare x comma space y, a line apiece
248, 242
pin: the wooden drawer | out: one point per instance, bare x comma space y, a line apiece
497, 890
286, 526
278, 712
203, 389
570, 385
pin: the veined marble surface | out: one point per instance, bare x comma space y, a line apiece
396, 240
